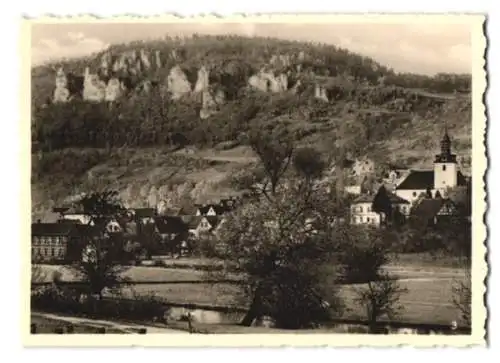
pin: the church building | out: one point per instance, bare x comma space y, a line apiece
445, 174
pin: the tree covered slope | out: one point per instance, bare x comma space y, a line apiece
206, 92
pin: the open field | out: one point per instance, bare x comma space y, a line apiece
427, 300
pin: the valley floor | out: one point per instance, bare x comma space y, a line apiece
429, 299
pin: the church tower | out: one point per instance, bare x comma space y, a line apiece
445, 165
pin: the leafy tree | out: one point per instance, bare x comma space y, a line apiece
364, 257
102, 251
282, 243
274, 152
382, 204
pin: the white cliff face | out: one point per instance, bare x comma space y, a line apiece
61, 93
94, 89
320, 93
114, 90
144, 57
158, 61
267, 82
202, 82
177, 83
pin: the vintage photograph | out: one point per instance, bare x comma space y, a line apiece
313, 176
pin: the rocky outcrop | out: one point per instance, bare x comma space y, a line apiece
158, 61
144, 59
280, 60
211, 101
61, 92
202, 83
114, 90
94, 89
177, 83
268, 82
320, 93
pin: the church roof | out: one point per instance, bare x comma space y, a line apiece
419, 180
423, 179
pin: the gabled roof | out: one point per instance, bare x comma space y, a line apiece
170, 224
144, 212
429, 208
192, 221
418, 179
218, 209
52, 229
423, 179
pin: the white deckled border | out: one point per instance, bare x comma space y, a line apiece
479, 264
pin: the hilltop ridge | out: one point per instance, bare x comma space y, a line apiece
148, 99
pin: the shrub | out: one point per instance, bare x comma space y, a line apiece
68, 301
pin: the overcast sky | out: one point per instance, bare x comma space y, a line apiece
419, 48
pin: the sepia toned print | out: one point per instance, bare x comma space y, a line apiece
282, 180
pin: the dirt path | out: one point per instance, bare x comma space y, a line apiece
126, 328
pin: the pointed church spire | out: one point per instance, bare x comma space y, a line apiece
445, 156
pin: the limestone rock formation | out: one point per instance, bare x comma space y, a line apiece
211, 102
119, 64
268, 82
177, 83
114, 90
202, 82
94, 89
158, 61
320, 93
144, 58
61, 93
281, 60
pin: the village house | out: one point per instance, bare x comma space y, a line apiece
57, 242
444, 175
435, 211
171, 228
200, 225
144, 215
224, 206
362, 209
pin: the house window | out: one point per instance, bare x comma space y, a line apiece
52, 251
414, 194
45, 252
367, 219
361, 209
444, 167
